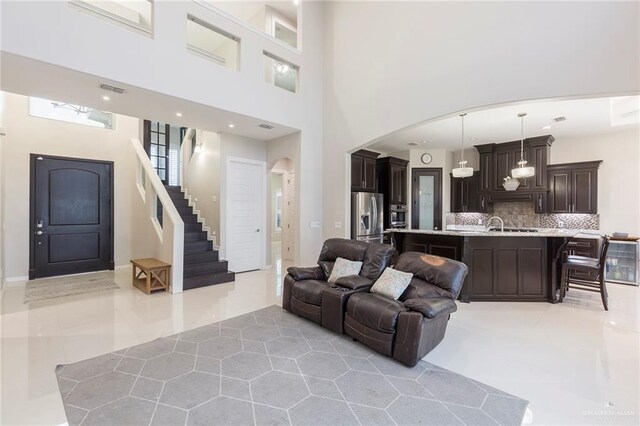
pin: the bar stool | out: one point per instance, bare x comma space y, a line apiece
592, 267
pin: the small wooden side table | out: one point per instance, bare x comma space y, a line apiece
152, 275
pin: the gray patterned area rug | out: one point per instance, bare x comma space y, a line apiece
270, 367
52, 288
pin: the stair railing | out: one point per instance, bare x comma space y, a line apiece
167, 242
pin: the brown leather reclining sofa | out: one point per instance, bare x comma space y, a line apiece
408, 328
307, 292
405, 329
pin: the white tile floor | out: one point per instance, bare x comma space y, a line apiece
575, 363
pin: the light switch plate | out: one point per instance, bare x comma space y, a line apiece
314, 224
338, 225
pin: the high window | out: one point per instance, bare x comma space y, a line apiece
70, 113
156, 144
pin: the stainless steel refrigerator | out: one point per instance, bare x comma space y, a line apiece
367, 216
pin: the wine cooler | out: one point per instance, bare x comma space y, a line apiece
622, 262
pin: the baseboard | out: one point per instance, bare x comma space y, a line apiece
125, 266
16, 279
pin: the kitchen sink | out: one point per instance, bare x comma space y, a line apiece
513, 230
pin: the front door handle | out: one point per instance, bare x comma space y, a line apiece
39, 232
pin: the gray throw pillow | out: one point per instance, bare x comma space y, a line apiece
392, 283
344, 268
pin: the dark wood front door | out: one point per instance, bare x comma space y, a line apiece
71, 216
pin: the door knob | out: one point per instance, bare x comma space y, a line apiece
39, 233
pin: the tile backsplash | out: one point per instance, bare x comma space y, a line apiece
522, 215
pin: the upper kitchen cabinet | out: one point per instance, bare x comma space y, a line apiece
363, 171
392, 179
573, 187
497, 160
464, 194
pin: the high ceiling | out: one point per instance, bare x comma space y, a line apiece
501, 124
25, 76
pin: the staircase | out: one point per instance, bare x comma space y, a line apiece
202, 267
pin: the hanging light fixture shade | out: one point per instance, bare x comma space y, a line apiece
522, 171
462, 170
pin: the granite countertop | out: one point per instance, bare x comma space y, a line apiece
541, 232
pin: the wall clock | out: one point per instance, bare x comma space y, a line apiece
426, 158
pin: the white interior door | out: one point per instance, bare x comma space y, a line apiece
246, 214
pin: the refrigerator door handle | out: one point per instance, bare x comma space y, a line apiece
375, 213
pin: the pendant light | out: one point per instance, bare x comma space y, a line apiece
462, 170
522, 171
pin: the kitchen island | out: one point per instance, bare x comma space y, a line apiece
503, 266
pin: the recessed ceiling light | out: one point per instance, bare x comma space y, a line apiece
231, 125
545, 127
178, 114
105, 98
423, 142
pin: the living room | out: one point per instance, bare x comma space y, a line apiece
223, 353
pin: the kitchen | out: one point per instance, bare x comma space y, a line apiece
585, 162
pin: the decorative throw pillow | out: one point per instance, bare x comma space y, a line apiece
344, 268
392, 283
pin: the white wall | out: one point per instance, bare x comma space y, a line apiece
48, 31
26, 135
2, 112
424, 60
618, 176
202, 179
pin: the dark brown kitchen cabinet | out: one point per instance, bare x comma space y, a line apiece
573, 187
363, 171
507, 268
464, 194
497, 161
392, 179
486, 170
391, 182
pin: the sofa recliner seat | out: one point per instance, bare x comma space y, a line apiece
307, 292
409, 328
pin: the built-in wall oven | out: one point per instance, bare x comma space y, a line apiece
398, 215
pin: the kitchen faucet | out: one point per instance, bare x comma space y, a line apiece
501, 223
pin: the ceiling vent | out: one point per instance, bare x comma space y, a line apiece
412, 144
266, 126
559, 119
118, 90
